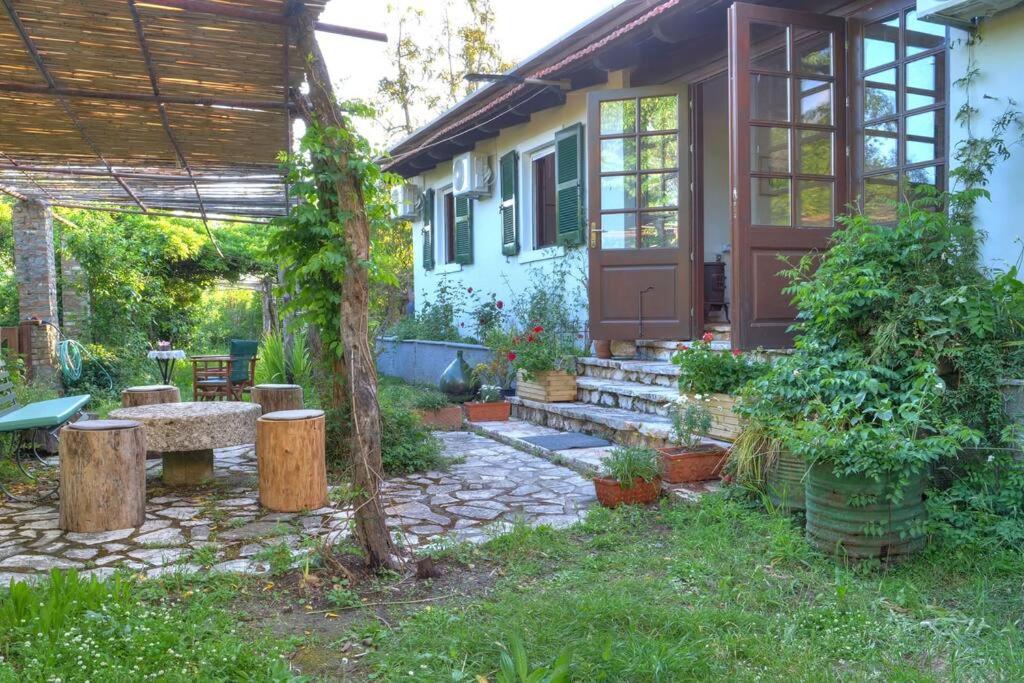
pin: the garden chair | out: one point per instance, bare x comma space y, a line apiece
22, 423
225, 377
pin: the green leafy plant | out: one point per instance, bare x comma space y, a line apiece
691, 422
514, 665
753, 455
704, 370
490, 393
407, 445
537, 351
627, 464
339, 596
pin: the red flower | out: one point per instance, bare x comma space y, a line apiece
708, 337
499, 304
469, 289
538, 329
529, 337
512, 355
737, 353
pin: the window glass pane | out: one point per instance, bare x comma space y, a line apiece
814, 152
883, 77
659, 151
879, 102
816, 102
618, 116
618, 192
880, 196
925, 133
922, 36
916, 180
769, 201
814, 203
618, 154
768, 47
619, 231
880, 41
659, 189
659, 113
879, 152
769, 149
924, 81
814, 53
769, 97
659, 229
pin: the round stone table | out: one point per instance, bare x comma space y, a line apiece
185, 434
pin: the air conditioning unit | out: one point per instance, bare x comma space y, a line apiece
471, 175
961, 13
407, 200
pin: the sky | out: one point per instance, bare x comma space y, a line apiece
522, 28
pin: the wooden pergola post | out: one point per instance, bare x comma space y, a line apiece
371, 529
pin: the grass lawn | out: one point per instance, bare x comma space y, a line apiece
715, 591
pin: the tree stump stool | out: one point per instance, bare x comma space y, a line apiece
276, 397
102, 476
149, 395
291, 460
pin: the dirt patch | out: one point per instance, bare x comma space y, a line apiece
325, 607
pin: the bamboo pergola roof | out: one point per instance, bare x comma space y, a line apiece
150, 105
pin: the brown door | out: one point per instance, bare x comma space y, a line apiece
787, 137
640, 237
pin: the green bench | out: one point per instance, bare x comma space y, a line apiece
22, 421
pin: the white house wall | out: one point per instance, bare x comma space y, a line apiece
1000, 60
491, 271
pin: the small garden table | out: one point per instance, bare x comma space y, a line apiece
165, 360
185, 434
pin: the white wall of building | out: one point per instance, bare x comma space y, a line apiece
999, 56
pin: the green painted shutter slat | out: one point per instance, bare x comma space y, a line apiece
510, 204
428, 230
463, 230
569, 185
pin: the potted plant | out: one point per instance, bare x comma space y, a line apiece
546, 366
758, 462
435, 410
716, 376
492, 406
629, 477
689, 458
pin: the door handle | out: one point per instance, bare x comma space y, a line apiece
593, 234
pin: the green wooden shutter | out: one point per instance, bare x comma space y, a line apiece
428, 230
463, 230
510, 204
569, 185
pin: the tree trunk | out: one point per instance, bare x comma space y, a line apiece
269, 309
371, 529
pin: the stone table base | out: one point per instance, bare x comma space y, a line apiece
188, 468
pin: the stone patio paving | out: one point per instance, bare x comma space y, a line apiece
493, 486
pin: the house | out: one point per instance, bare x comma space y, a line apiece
678, 148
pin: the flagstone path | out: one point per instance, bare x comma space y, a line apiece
491, 487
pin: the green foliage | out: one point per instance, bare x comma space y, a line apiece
280, 363
514, 666
437, 319
538, 351
490, 393
8, 286
703, 370
691, 422
227, 314
627, 464
108, 370
406, 444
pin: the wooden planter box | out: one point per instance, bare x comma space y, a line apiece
498, 411
680, 465
553, 386
449, 418
726, 425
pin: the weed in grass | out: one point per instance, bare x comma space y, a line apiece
279, 556
340, 597
204, 556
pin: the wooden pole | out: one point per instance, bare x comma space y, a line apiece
370, 520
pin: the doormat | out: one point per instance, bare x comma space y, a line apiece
564, 442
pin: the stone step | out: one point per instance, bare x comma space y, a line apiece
639, 398
720, 331
624, 427
658, 350
653, 373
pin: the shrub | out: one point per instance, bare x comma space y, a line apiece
106, 371
690, 423
703, 370
624, 465
407, 445
539, 351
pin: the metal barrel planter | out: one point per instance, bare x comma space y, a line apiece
786, 480
879, 529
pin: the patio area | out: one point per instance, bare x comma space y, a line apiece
221, 527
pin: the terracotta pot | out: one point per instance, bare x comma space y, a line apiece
602, 349
498, 411
680, 464
449, 418
610, 493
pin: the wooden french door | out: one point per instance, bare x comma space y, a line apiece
638, 206
787, 108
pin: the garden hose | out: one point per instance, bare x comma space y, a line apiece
69, 356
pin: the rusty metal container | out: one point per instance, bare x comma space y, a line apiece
879, 529
786, 481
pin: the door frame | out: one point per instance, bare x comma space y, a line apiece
684, 208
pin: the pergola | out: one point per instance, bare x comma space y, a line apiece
152, 106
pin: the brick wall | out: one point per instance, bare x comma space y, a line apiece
36, 276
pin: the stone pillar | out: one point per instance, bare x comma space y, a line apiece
36, 275
74, 298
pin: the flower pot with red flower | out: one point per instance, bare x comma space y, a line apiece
492, 406
545, 364
690, 459
629, 476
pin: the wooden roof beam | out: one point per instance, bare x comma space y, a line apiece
78, 93
217, 9
161, 177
